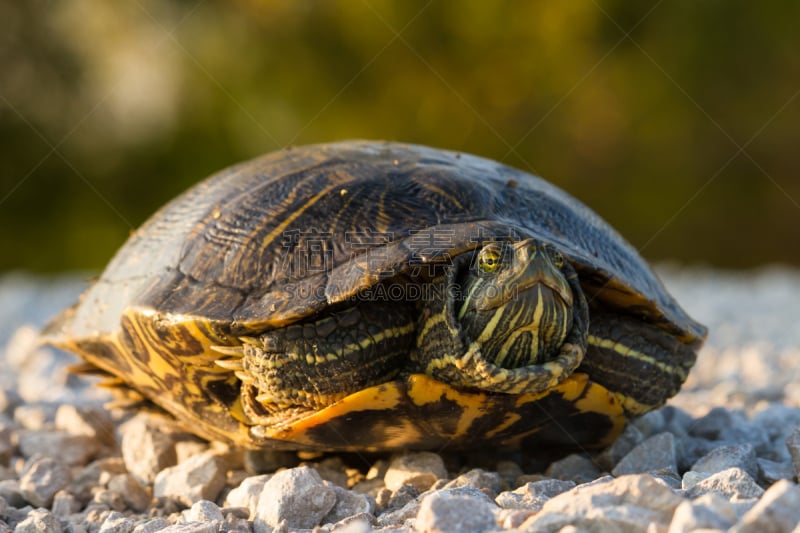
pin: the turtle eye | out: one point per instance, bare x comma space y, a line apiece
489, 259
558, 259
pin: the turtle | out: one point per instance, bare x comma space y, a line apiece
373, 295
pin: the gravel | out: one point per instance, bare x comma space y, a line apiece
723, 455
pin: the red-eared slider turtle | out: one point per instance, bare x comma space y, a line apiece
371, 295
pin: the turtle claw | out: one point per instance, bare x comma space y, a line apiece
236, 351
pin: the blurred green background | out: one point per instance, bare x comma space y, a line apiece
676, 120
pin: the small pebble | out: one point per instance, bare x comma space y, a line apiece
621, 504
95, 474
456, 510
348, 503
34, 417
10, 493
359, 523
401, 497
85, 421
38, 521
297, 496
146, 449
41, 479
247, 493
533, 495
735, 455
204, 511
198, 478
777, 510
733, 483
419, 469
654, 454
747, 433
489, 482
709, 511
65, 504
397, 517
73, 450
771, 471
132, 492
712, 424
575, 467
117, 522
692, 478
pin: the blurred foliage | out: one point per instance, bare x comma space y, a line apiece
676, 120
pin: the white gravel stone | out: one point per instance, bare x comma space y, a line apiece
489, 482
38, 521
778, 510
10, 492
654, 454
533, 495
736, 455
418, 469
247, 493
133, 493
398, 517
117, 522
348, 503
575, 467
709, 511
72, 450
34, 417
146, 448
621, 504
65, 504
692, 478
41, 479
204, 511
297, 496
200, 477
771, 471
456, 510
734, 483
713, 423
745, 389
398, 498
85, 421
95, 474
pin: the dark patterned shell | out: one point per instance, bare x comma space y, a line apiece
234, 249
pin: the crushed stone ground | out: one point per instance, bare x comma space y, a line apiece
722, 455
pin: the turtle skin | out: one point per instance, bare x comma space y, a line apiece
280, 248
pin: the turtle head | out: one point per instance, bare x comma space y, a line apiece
516, 303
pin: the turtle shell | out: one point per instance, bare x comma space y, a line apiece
268, 242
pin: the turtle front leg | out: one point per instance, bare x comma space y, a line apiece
307, 366
641, 362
